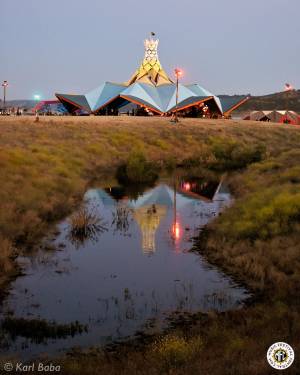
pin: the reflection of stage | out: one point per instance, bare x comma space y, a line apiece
148, 219
148, 209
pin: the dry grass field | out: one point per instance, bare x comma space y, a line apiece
45, 167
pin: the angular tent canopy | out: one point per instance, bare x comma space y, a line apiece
149, 87
289, 117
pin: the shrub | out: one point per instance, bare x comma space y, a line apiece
264, 215
137, 169
176, 351
170, 163
230, 154
292, 175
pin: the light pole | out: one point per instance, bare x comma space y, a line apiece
178, 74
36, 98
4, 85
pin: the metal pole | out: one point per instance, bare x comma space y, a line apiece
176, 116
4, 85
4, 96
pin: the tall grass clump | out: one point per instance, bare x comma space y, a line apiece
7, 251
231, 154
174, 351
85, 224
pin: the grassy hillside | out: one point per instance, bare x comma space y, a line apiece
46, 166
289, 100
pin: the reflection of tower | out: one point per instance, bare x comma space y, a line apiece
148, 219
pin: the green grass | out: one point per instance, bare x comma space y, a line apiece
261, 232
46, 167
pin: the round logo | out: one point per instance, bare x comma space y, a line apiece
280, 355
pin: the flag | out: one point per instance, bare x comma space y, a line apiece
288, 87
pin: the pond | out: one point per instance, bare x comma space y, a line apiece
127, 272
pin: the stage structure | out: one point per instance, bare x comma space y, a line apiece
149, 91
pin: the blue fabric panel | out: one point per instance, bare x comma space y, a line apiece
138, 93
79, 100
94, 95
190, 101
183, 94
153, 93
166, 93
198, 90
141, 101
109, 91
229, 102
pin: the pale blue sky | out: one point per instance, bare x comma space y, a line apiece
228, 46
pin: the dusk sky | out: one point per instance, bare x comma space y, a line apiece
71, 46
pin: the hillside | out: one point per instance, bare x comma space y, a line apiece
23, 103
282, 100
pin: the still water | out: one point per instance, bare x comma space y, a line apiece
129, 272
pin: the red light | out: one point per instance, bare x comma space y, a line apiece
186, 186
178, 72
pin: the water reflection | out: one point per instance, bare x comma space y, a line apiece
150, 208
203, 189
122, 217
131, 273
148, 218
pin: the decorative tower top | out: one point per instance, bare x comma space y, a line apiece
151, 46
150, 70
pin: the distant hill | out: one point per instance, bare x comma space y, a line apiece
289, 100
20, 103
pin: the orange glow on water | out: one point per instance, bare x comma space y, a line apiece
186, 186
176, 231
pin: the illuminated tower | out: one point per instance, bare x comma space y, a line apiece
150, 70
